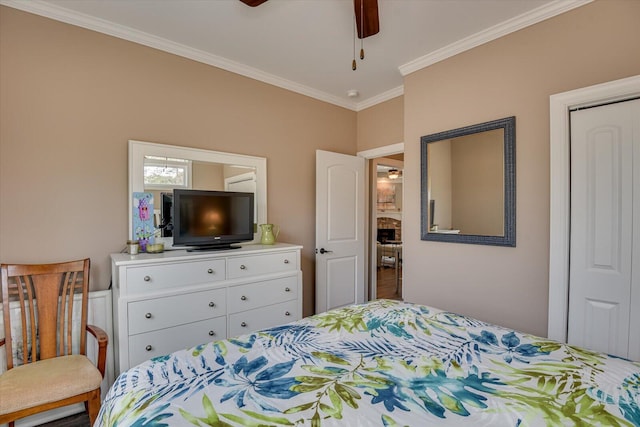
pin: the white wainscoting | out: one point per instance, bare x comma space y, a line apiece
101, 315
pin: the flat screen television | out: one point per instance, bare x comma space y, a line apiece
385, 234
211, 220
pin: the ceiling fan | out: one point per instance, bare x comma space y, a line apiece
366, 13
367, 22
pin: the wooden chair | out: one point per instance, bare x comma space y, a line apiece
49, 303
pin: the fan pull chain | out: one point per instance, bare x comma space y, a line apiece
354, 66
362, 29
357, 34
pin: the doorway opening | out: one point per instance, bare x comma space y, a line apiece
386, 220
391, 156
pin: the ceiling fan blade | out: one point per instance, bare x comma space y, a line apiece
253, 3
367, 20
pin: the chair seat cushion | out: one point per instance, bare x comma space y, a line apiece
47, 381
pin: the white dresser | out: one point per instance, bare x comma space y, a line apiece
177, 299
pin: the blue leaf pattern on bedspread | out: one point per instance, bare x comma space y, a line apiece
509, 346
384, 363
255, 379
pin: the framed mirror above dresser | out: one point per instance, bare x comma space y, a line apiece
196, 169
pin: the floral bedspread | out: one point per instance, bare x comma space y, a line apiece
384, 363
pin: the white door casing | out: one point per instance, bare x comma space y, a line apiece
245, 182
340, 230
560, 105
602, 193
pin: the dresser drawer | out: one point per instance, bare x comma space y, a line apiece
257, 294
158, 343
163, 312
154, 277
262, 318
262, 264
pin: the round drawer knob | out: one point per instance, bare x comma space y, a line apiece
243, 267
210, 271
286, 261
287, 289
211, 333
212, 304
286, 313
148, 315
243, 324
243, 298
147, 278
148, 348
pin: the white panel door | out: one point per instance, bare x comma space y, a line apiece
603, 189
340, 230
634, 316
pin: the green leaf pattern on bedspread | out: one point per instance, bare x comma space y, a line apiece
383, 363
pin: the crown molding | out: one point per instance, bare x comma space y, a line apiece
120, 31
106, 27
512, 25
384, 96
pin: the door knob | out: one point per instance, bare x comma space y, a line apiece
324, 251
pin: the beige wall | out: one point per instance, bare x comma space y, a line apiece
70, 100
478, 183
513, 75
207, 176
382, 124
440, 183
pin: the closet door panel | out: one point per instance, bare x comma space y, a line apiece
634, 321
601, 223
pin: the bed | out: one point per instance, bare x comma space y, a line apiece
384, 363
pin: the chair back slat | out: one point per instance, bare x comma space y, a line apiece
45, 295
66, 316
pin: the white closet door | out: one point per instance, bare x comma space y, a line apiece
603, 189
634, 321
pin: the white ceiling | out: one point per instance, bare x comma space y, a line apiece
307, 45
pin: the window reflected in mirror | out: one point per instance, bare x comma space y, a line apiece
165, 173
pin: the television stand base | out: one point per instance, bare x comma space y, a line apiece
212, 248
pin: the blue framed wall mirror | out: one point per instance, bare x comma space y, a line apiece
468, 184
